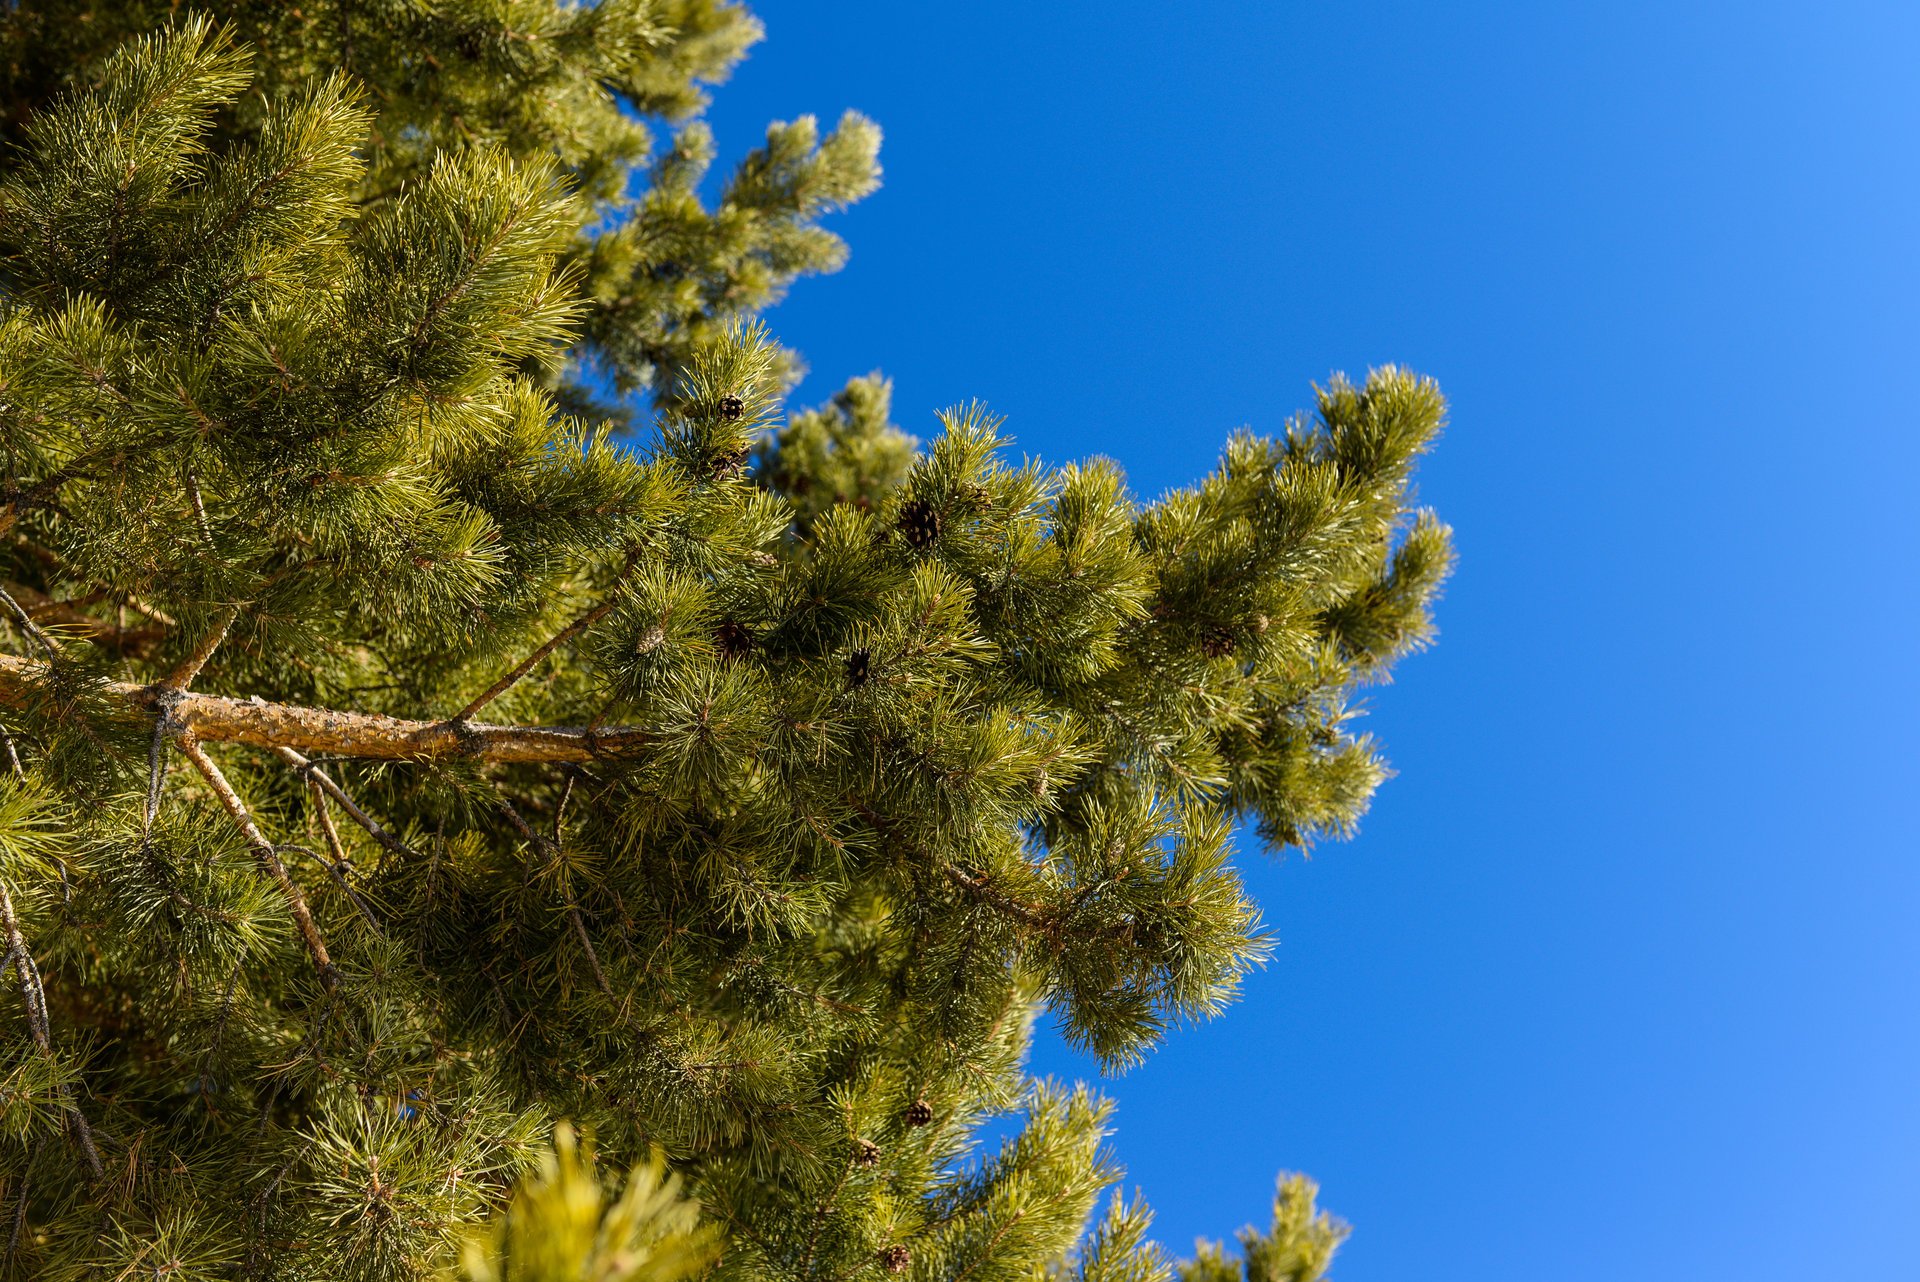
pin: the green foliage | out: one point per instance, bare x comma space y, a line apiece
559, 1227
1298, 1248
845, 452
584, 87
744, 795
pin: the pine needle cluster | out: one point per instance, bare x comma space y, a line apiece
402, 757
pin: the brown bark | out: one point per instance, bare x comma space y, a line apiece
218, 719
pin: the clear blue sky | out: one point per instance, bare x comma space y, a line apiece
1622, 977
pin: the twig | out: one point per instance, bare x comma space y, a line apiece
319, 779
220, 1028
552, 851
32, 628
199, 508
182, 677
269, 858
20, 1206
338, 870
34, 995
68, 615
567, 634
560, 810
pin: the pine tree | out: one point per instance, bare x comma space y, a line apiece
406, 754
1298, 1248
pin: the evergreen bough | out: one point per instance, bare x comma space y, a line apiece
445, 697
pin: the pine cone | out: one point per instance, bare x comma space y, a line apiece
896, 1259
919, 523
919, 1113
731, 407
866, 1153
859, 667
729, 464
1216, 642
732, 640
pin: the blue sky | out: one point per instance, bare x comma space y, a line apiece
1621, 977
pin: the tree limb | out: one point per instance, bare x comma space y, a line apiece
259, 724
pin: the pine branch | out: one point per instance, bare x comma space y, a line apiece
324, 786
565, 635
257, 723
34, 996
981, 888
977, 885
182, 677
268, 855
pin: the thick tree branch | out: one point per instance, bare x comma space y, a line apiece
257, 723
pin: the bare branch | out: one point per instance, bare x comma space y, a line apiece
259, 724
269, 858
34, 995
526, 665
320, 780
182, 677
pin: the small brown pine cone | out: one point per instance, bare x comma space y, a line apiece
896, 1259
731, 407
1216, 642
866, 1153
729, 464
732, 640
919, 1113
919, 523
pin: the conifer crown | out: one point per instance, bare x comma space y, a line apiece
405, 752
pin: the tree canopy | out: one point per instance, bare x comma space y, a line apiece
448, 694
